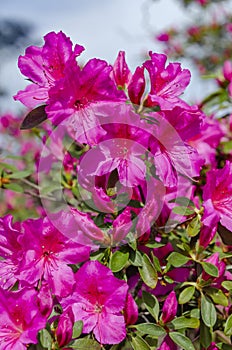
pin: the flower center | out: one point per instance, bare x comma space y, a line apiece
98, 308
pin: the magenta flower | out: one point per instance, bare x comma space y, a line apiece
79, 95
65, 328
130, 311
10, 251
98, 300
167, 344
136, 86
169, 144
167, 83
209, 224
20, 319
121, 72
47, 254
207, 140
44, 66
169, 308
45, 300
227, 72
218, 193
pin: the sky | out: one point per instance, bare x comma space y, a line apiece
103, 27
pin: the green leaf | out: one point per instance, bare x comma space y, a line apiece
118, 261
211, 269
181, 340
186, 294
45, 339
195, 313
205, 335
152, 304
217, 296
183, 211
138, 343
148, 272
185, 322
156, 263
51, 188
227, 285
194, 227
7, 166
228, 326
77, 329
208, 312
21, 174
226, 347
84, 344
136, 258
14, 187
177, 259
150, 329
183, 201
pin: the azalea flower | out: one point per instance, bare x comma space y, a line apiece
98, 300
10, 251
169, 308
20, 319
217, 193
167, 83
121, 72
47, 254
79, 97
65, 328
46, 65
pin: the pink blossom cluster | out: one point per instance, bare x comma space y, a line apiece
146, 188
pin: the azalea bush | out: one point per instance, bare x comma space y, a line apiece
116, 221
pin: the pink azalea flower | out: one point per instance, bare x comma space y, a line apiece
218, 191
136, 86
20, 319
121, 72
209, 224
169, 308
207, 140
168, 344
79, 95
44, 66
169, 144
10, 251
213, 346
167, 83
98, 300
130, 310
65, 328
164, 37
47, 254
45, 300
227, 72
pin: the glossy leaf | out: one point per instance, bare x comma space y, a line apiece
177, 259
186, 294
152, 304
150, 329
185, 322
208, 312
181, 340
148, 272
118, 261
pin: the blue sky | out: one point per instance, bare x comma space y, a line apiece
103, 27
